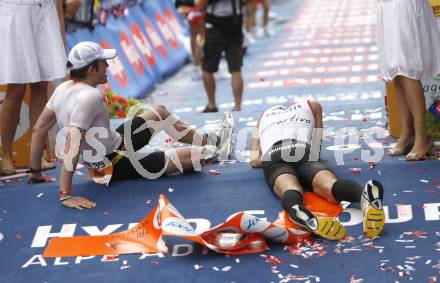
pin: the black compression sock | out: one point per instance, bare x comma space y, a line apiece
347, 190
291, 198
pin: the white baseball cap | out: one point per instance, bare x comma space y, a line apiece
84, 53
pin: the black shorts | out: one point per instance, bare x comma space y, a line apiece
305, 170
154, 162
217, 41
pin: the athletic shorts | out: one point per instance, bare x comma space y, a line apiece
217, 41
303, 169
154, 162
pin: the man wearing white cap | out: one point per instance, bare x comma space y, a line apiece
80, 109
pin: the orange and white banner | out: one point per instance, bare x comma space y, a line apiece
242, 233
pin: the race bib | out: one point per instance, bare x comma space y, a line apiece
101, 172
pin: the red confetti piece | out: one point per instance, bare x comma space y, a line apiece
272, 259
356, 170
214, 172
18, 237
417, 233
111, 257
372, 165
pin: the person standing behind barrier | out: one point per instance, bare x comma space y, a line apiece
408, 43
32, 52
223, 32
197, 35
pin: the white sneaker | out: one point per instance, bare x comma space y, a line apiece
226, 129
248, 39
372, 209
209, 152
268, 32
259, 32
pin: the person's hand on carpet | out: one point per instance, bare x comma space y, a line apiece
78, 203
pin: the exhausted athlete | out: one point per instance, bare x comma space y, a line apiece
81, 110
286, 143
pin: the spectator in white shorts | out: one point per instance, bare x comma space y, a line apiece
32, 51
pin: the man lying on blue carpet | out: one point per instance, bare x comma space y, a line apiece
286, 143
81, 110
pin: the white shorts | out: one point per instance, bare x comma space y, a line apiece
408, 39
31, 45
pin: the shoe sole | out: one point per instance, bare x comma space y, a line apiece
374, 221
330, 229
374, 218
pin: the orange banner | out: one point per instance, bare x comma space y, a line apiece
242, 233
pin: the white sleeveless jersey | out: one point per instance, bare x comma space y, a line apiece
278, 123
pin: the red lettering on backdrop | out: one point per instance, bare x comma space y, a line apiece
142, 44
115, 67
155, 39
131, 53
166, 31
173, 21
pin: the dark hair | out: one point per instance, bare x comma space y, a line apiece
81, 73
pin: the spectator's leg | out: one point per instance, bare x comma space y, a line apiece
37, 104
9, 118
266, 8
195, 47
250, 16
209, 83
406, 120
237, 89
38, 101
416, 102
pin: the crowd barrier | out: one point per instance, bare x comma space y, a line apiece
148, 40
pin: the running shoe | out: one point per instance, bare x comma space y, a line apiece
225, 142
372, 209
326, 227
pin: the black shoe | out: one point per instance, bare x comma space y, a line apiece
210, 110
326, 227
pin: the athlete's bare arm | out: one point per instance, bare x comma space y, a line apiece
255, 147
317, 131
71, 156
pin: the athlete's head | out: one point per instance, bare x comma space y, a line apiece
87, 61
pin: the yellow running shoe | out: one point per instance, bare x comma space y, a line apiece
326, 227
372, 209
